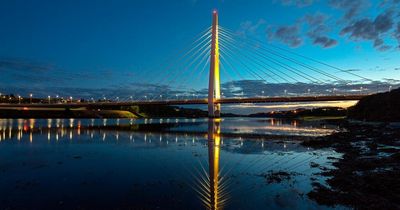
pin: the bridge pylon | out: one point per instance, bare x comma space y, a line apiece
214, 91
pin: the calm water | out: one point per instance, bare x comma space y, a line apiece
235, 163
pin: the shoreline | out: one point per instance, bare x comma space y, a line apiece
366, 177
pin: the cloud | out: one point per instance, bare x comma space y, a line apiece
19, 65
397, 34
27, 73
391, 81
297, 3
254, 88
389, 2
289, 35
318, 29
325, 42
316, 19
250, 28
351, 70
351, 7
249, 88
372, 30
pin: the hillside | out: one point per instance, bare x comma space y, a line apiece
378, 107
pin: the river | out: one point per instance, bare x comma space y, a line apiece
176, 163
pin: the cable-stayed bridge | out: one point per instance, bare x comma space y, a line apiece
233, 57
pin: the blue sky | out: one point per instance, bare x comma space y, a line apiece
99, 46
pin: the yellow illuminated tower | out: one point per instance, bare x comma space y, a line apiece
214, 92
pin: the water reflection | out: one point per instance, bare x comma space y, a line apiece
216, 196
229, 168
58, 128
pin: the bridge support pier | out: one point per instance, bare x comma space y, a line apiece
214, 91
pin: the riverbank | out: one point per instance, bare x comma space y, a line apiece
380, 107
367, 176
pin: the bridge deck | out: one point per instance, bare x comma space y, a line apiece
190, 101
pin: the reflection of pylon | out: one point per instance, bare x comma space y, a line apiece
213, 159
214, 92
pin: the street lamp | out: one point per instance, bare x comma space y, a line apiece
30, 97
285, 92
131, 97
262, 93
308, 91
70, 98
145, 98
19, 99
390, 88
49, 98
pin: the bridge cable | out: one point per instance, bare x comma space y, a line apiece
258, 63
200, 53
185, 52
271, 67
302, 56
294, 61
169, 79
289, 68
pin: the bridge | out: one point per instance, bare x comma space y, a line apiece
188, 102
207, 48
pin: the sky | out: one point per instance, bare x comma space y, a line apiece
124, 47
